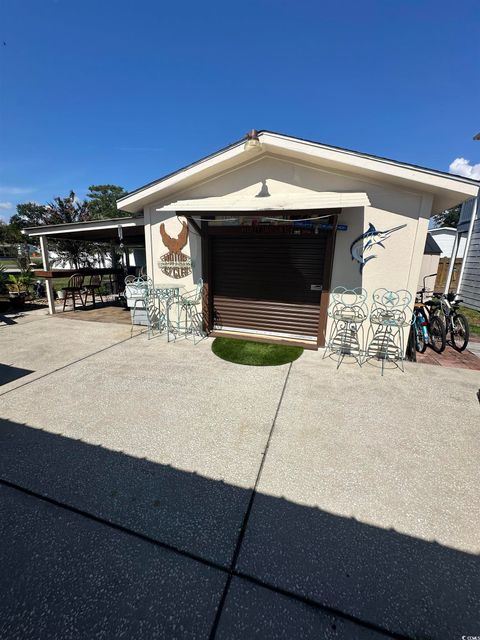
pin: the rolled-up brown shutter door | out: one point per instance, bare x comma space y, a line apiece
264, 282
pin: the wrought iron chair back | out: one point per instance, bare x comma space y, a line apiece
195, 296
348, 304
391, 308
138, 290
183, 316
390, 315
156, 317
348, 311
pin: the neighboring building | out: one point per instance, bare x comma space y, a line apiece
445, 239
136, 258
430, 260
469, 278
273, 223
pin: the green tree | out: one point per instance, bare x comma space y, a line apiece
60, 211
67, 211
448, 218
102, 201
29, 214
10, 234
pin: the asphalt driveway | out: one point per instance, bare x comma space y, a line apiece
153, 490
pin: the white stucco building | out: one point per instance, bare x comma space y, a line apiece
273, 223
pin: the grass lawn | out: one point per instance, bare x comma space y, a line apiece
255, 354
11, 263
473, 318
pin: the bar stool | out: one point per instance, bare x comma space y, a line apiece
136, 293
348, 311
390, 316
183, 318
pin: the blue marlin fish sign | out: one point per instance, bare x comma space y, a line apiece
367, 241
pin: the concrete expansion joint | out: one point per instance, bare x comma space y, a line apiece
231, 570
69, 364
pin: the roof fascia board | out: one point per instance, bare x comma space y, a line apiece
56, 229
172, 180
375, 165
281, 144
370, 156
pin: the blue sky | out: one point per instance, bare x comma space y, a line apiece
128, 90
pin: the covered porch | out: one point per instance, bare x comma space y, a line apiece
123, 242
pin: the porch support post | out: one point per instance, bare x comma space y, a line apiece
467, 244
113, 253
451, 266
48, 281
326, 283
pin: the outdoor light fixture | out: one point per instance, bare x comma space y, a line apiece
252, 143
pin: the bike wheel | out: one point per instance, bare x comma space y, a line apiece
438, 338
420, 342
460, 331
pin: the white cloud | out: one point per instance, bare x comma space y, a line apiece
462, 167
6, 205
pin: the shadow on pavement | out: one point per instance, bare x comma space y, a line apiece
66, 575
8, 373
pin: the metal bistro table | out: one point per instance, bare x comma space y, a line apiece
167, 289
167, 294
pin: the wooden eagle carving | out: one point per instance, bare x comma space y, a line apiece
175, 245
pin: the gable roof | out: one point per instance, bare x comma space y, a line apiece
431, 247
447, 189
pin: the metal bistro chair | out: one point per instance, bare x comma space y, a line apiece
136, 293
94, 286
183, 317
390, 316
348, 311
73, 288
156, 318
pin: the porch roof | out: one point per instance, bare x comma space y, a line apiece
109, 230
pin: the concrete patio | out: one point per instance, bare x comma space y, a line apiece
152, 490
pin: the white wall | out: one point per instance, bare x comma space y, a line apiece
155, 248
397, 266
445, 237
429, 266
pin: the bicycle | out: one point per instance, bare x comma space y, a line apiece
445, 307
427, 328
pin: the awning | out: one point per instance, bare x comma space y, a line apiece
131, 229
274, 202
